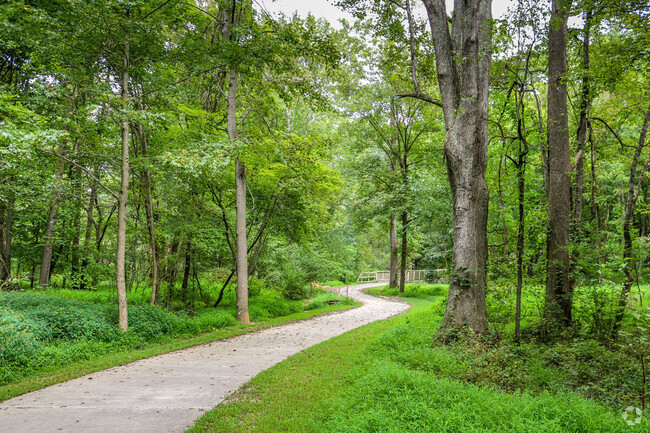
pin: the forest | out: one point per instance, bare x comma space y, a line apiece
172, 168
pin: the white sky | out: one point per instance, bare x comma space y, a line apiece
324, 9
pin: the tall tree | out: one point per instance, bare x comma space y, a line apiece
463, 57
559, 293
241, 260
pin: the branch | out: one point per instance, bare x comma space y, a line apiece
155, 10
205, 12
421, 97
88, 172
612, 131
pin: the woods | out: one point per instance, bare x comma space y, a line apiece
179, 154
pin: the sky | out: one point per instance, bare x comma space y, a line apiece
324, 9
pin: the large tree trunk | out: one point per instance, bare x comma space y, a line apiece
394, 264
120, 262
48, 245
463, 65
559, 292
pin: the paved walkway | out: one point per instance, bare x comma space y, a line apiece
168, 393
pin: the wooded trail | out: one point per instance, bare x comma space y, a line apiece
169, 392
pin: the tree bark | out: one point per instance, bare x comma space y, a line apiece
88, 234
628, 222
6, 236
241, 242
585, 100
186, 271
463, 60
241, 262
394, 264
120, 263
402, 272
559, 292
148, 204
48, 244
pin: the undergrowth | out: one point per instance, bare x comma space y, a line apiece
43, 330
395, 377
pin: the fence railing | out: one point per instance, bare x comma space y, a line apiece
384, 276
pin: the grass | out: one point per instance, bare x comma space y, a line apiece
390, 376
47, 339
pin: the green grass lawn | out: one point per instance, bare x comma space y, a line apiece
391, 376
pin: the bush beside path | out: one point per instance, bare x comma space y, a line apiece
169, 392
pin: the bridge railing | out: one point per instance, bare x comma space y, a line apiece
384, 276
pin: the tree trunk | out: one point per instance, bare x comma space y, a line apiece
48, 245
3, 270
394, 265
463, 66
241, 262
402, 272
153, 243
559, 292
120, 262
6, 235
582, 126
520, 241
186, 271
628, 222
170, 270
75, 268
242, 250
88, 234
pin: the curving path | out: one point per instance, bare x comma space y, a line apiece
169, 392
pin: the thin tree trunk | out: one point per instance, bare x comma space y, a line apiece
170, 270
241, 242
88, 234
521, 178
503, 211
402, 278
394, 264
628, 222
76, 242
559, 292
7, 236
120, 262
48, 245
186, 272
153, 243
3, 270
595, 209
582, 127
241, 262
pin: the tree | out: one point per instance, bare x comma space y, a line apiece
463, 56
558, 279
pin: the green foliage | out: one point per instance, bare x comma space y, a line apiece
394, 398
44, 330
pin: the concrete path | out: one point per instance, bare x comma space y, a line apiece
168, 393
